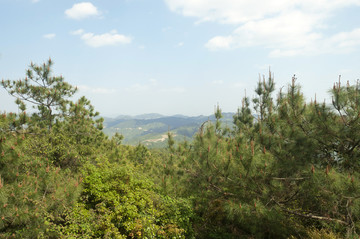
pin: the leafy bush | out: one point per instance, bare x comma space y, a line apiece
118, 202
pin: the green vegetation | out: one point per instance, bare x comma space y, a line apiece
61, 177
285, 168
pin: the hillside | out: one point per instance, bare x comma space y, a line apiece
151, 129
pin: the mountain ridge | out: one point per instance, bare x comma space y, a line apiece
151, 129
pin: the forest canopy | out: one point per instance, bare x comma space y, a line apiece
286, 169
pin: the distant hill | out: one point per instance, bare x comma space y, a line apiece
151, 129
142, 116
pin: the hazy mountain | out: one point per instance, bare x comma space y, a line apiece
151, 129
148, 116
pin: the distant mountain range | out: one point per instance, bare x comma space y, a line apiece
151, 129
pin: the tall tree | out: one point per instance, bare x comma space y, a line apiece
49, 94
292, 166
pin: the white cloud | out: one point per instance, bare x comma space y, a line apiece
35, 1
225, 11
346, 40
180, 44
49, 36
220, 42
77, 32
242, 11
290, 31
286, 28
95, 90
111, 38
340, 43
82, 10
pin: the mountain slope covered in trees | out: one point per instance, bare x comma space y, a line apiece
151, 129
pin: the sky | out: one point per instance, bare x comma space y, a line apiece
171, 57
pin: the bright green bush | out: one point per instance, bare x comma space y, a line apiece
118, 202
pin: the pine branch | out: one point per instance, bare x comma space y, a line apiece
310, 215
290, 179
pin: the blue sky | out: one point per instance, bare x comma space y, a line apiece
180, 56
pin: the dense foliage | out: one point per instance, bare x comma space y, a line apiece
287, 169
61, 177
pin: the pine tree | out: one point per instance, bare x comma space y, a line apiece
48, 94
292, 166
69, 128
42, 153
32, 190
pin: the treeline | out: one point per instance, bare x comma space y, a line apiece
288, 169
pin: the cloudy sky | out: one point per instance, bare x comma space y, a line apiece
180, 56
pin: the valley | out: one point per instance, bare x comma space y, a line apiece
151, 129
